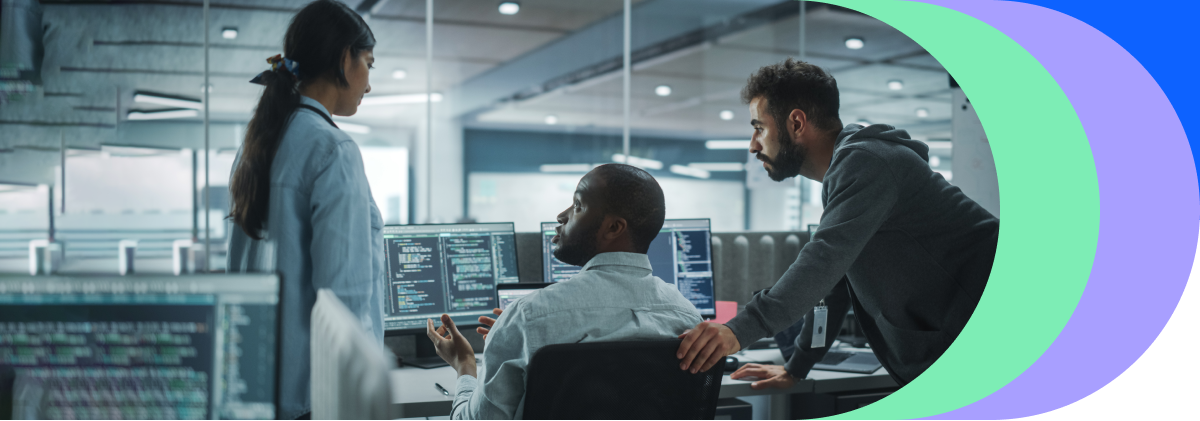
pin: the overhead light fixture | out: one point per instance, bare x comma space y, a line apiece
662, 90
209, 86
400, 99
565, 167
922, 112
354, 128
934, 161
895, 84
399, 74
161, 114
726, 115
638, 162
107, 151
863, 122
727, 144
229, 32
551, 119
855, 43
689, 171
509, 8
719, 166
170, 101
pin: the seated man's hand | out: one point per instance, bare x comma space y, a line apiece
704, 345
452, 346
769, 376
489, 322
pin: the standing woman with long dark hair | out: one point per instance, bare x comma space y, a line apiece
299, 189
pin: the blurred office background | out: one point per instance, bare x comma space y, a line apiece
105, 133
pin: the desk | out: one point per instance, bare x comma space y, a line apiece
413, 394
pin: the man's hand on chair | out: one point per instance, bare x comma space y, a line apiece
452, 346
704, 345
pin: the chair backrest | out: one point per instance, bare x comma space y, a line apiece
618, 380
350, 372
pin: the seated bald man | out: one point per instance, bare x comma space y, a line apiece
616, 212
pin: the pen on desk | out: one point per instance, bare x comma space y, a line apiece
441, 389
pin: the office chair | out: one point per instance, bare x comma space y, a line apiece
618, 380
350, 372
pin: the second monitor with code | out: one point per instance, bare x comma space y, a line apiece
681, 255
452, 268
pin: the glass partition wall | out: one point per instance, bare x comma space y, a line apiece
479, 111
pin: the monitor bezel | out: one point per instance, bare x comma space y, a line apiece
545, 256
437, 322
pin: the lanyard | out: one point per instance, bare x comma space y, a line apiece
315, 110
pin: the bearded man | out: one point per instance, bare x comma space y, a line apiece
915, 252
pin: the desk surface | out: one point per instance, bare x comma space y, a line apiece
413, 393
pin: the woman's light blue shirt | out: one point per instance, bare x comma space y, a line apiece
324, 228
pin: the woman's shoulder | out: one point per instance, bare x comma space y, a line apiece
311, 139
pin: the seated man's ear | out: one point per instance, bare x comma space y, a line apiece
614, 227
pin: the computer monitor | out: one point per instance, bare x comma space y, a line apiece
513, 292
448, 268
139, 347
681, 254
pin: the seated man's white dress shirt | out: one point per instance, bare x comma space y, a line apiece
614, 298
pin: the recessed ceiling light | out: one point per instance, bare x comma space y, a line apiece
210, 88
229, 32
727, 144
662, 90
169, 101
935, 161
551, 119
855, 43
922, 112
399, 74
726, 115
510, 8
895, 84
161, 114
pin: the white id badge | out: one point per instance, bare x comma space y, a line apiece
820, 314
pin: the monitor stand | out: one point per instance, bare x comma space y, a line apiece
426, 354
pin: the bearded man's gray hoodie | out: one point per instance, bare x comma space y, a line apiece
916, 250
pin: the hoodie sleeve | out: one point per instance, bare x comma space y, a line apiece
860, 192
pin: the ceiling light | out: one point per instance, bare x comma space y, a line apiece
354, 128
229, 32
565, 167
662, 90
179, 102
863, 122
895, 84
638, 162
922, 112
719, 166
399, 74
935, 161
689, 171
510, 8
400, 99
551, 119
726, 115
210, 88
727, 144
163, 114
855, 43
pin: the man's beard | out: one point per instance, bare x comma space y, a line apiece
790, 158
580, 249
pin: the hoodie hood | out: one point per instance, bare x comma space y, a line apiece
854, 133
